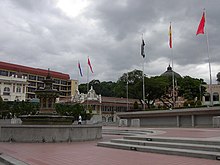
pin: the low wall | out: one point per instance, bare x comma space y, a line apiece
196, 117
49, 133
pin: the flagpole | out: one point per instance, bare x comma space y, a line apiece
127, 91
210, 71
143, 85
87, 86
171, 47
173, 79
143, 54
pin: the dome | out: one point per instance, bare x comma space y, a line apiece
169, 73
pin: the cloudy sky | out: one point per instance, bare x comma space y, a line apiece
56, 34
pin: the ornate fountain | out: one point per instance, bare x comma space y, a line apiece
47, 114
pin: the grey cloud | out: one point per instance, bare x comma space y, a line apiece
38, 34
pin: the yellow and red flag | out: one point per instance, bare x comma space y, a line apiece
170, 37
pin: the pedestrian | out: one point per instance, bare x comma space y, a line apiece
80, 120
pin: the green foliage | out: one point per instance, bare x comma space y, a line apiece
83, 88
72, 110
157, 87
13, 108
189, 103
104, 88
191, 88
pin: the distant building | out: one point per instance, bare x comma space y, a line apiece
13, 88
107, 107
206, 99
215, 89
169, 73
34, 77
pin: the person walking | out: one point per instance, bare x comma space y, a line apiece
80, 120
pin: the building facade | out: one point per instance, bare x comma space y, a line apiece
206, 99
35, 77
13, 88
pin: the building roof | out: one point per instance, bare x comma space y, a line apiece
169, 73
30, 70
119, 100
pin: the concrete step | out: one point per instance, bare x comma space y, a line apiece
175, 140
163, 150
126, 132
193, 146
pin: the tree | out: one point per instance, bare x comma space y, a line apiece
72, 110
133, 79
155, 88
190, 88
104, 88
83, 88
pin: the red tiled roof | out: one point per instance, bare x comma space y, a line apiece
118, 100
35, 71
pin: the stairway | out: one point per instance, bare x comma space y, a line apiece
191, 147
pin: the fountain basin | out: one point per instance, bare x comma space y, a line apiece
49, 133
46, 119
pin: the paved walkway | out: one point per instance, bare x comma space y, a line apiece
87, 153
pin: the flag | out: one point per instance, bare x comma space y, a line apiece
201, 26
170, 37
80, 70
142, 48
89, 63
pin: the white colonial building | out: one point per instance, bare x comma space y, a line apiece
215, 88
13, 88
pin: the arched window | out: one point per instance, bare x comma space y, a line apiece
6, 91
215, 96
207, 97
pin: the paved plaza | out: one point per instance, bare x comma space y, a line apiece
88, 153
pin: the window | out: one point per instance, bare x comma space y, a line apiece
63, 88
12, 73
18, 90
6, 91
3, 73
207, 97
63, 82
40, 85
215, 96
33, 84
39, 78
31, 90
13, 87
49, 103
32, 77
56, 87
56, 81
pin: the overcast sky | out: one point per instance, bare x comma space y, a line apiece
56, 34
